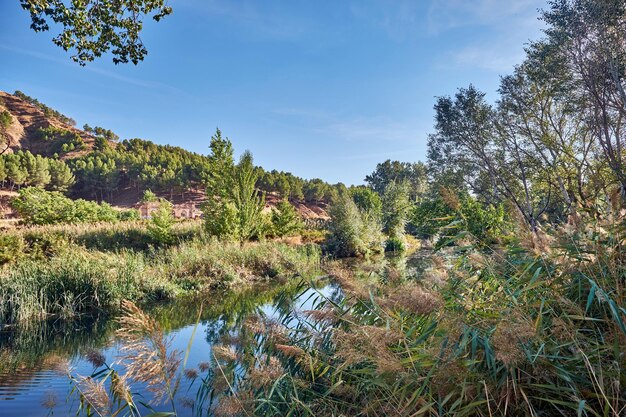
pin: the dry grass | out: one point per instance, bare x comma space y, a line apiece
146, 353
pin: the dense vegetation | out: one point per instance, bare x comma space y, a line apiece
66, 271
518, 307
23, 169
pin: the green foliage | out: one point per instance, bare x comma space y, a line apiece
367, 199
37, 206
413, 174
138, 164
60, 140
11, 248
448, 214
71, 280
5, 119
161, 221
149, 197
248, 202
396, 207
285, 219
352, 232
220, 218
61, 176
91, 28
284, 184
234, 207
23, 168
316, 190
396, 244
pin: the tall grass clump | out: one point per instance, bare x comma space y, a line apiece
211, 263
58, 277
74, 282
353, 231
534, 328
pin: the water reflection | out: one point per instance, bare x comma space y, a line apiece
30, 357
32, 384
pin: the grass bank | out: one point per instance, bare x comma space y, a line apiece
71, 270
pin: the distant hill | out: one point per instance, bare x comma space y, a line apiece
118, 171
30, 120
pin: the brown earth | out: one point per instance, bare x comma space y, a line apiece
27, 120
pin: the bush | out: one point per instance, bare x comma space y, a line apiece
11, 248
285, 219
160, 226
395, 244
352, 232
37, 206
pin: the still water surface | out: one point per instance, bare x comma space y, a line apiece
32, 385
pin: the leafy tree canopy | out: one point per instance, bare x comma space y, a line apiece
93, 27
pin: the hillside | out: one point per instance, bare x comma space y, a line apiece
28, 120
118, 172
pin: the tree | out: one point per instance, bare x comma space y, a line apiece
221, 165
352, 232
396, 207
149, 197
234, 207
3, 171
92, 28
5, 121
161, 221
414, 174
247, 200
367, 200
61, 176
16, 172
484, 147
587, 39
285, 219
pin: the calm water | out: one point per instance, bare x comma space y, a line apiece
29, 358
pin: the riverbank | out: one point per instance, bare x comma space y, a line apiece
68, 271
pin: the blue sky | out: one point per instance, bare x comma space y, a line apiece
322, 88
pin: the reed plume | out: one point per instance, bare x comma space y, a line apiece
146, 354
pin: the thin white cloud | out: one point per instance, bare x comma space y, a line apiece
408, 154
506, 27
373, 129
353, 128
448, 14
399, 19
152, 85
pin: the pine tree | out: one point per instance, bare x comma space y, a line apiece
61, 176
285, 219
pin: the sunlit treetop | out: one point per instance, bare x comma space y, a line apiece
92, 28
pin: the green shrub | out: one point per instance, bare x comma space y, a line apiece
11, 248
367, 199
395, 244
149, 197
161, 221
352, 232
37, 206
285, 219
